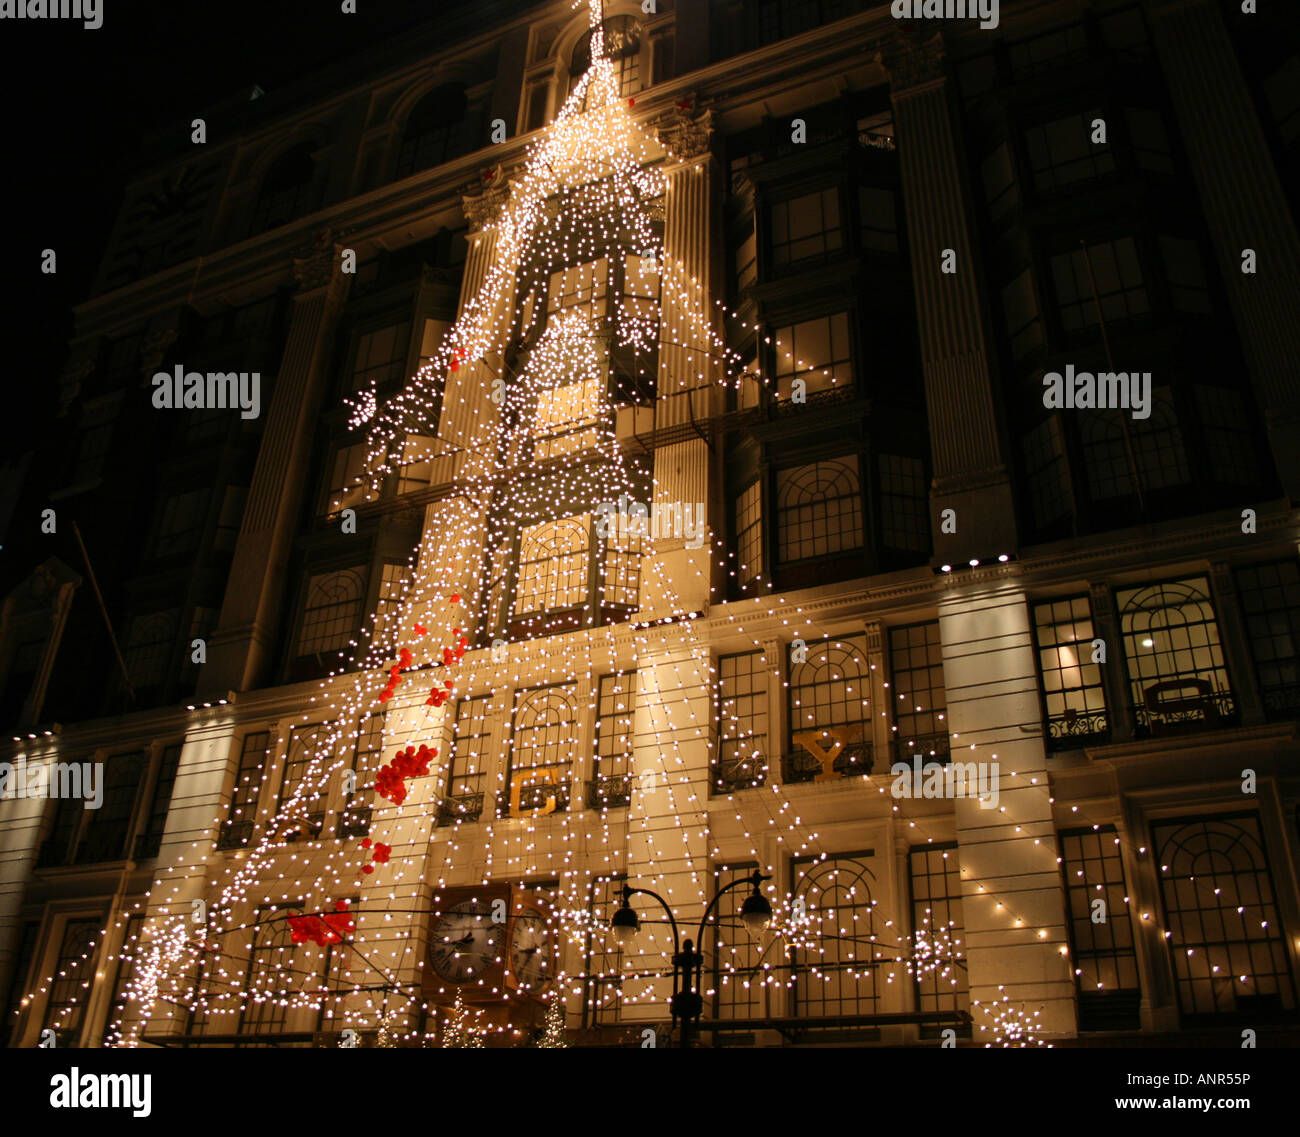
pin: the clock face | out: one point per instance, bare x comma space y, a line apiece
530, 950
465, 942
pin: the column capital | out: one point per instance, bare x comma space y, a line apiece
685, 131
314, 264
484, 201
913, 58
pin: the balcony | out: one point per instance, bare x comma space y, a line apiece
1182, 706
534, 798
306, 829
459, 808
852, 762
609, 791
927, 747
1072, 729
235, 835
354, 822
732, 774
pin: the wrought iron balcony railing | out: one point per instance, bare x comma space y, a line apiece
732, 774
354, 822
1183, 706
235, 835
852, 762
927, 747
1074, 728
609, 791
459, 807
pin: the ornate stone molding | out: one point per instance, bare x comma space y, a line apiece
483, 203
684, 131
913, 56
314, 267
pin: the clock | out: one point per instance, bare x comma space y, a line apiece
465, 942
532, 945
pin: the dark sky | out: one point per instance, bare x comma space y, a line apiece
76, 107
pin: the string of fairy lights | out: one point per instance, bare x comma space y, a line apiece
586, 196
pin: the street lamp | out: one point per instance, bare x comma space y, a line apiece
687, 1004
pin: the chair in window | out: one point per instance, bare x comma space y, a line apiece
1177, 704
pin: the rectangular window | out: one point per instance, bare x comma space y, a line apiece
834, 967
999, 178
878, 219
1174, 657
467, 761
431, 337
150, 650
380, 357
108, 828
568, 416
1049, 52
938, 931
580, 288
1229, 440
806, 228
620, 581
543, 748
254, 752
830, 712
1105, 963
746, 258
904, 504
1115, 281
416, 471
1062, 152
272, 968
819, 509
126, 969
74, 972
740, 970
150, 841
743, 730
182, 521
231, 517
389, 604
1021, 316
332, 611
603, 955
818, 352
1270, 600
1047, 472
920, 699
611, 784
539, 97
749, 534
662, 47
354, 817
554, 565
1073, 693
18, 985
1185, 274
306, 744
346, 468
1146, 131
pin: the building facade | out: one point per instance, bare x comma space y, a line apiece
915, 559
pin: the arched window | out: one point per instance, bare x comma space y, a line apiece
553, 565
287, 189
834, 941
436, 131
1222, 924
332, 614
622, 36
542, 749
1174, 655
819, 509
830, 711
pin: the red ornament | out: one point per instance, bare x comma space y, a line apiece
455, 597
367, 869
420, 629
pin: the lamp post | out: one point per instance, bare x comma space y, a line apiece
687, 1004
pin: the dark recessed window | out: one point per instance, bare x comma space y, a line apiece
287, 189
436, 131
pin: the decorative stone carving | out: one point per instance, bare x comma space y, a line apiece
483, 203
913, 56
315, 267
685, 132
156, 344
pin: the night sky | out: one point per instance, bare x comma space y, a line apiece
79, 109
